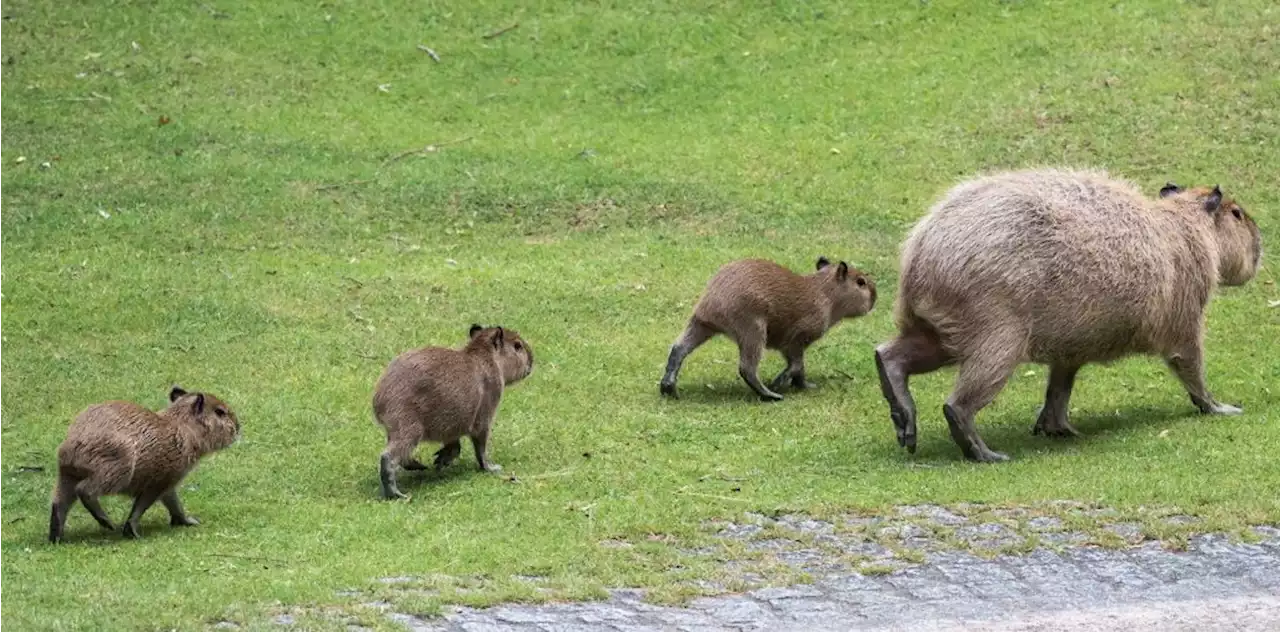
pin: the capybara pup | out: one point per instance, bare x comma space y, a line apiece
760, 304
441, 395
1060, 268
122, 448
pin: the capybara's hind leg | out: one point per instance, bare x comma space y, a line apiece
1052, 421
95, 509
751, 341
694, 335
400, 446
447, 454
64, 496
1188, 365
912, 353
981, 379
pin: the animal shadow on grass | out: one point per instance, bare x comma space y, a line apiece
414, 481
1015, 439
88, 533
734, 390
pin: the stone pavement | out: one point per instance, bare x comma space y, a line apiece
1217, 583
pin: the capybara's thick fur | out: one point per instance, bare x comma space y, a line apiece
441, 395
120, 447
1060, 268
760, 304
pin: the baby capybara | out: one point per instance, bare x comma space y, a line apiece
441, 395
122, 448
760, 304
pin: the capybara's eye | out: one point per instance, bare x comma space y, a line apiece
1236, 212
861, 282
519, 347
220, 412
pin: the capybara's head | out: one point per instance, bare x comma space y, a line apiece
514, 355
1239, 241
219, 425
851, 291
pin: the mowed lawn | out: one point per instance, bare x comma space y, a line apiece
217, 195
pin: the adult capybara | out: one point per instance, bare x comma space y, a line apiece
760, 304
1060, 268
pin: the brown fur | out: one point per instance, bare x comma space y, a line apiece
441, 395
760, 304
1061, 268
120, 447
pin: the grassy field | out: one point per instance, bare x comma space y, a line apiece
216, 195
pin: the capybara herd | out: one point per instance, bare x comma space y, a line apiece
1055, 267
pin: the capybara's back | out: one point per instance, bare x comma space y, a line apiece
1075, 261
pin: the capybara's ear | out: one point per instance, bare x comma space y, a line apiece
1170, 189
177, 392
823, 262
475, 329
1214, 201
198, 406
842, 272
497, 339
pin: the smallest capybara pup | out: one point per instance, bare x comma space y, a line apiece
441, 395
120, 447
760, 304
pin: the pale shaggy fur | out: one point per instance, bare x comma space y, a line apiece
1060, 268
441, 395
120, 447
760, 304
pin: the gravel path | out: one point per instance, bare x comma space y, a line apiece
1216, 584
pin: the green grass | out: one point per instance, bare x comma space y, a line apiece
609, 158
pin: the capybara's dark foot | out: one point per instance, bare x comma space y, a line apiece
968, 440
131, 531
447, 454
183, 521
668, 389
414, 464
1051, 426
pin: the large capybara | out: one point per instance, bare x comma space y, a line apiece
1060, 268
440, 394
122, 448
760, 304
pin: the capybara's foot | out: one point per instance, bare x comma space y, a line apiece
183, 521
1051, 426
668, 389
447, 454
131, 531
968, 440
770, 396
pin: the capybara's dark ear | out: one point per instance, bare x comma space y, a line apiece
1214, 201
176, 392
1170, 189
198, 406
842, 272
497, 339
475, 329
823, 262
